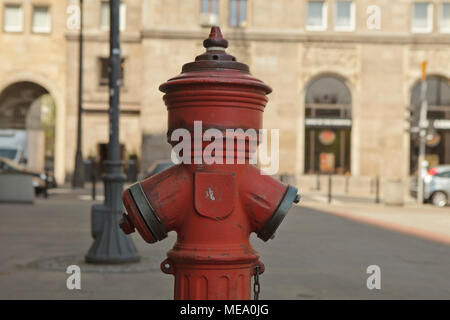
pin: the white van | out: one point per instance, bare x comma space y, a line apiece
13, 144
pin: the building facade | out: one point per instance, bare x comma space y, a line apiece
343, 74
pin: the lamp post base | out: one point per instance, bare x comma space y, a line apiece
78, 173
111, 245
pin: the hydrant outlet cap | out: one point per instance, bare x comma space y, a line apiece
147, 212
269, 228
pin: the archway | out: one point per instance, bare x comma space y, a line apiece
328, 123
438, 98
27, 125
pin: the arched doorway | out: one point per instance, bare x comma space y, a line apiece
27, 125
328, 123
438, 98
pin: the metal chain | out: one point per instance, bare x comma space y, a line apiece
256, 286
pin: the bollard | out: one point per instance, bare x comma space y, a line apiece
132, 170
46, 171
329, 188
94, 180
346, 183
371, 183
377, 189
318, 182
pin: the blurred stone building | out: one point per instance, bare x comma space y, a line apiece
343, 74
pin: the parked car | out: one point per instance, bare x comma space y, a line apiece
15, 154
39, 178
436, 186
13, 144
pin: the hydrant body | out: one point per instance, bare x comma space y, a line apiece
213, 206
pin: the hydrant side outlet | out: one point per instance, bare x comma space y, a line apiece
213, 207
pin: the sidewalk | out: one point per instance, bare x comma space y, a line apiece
424, 221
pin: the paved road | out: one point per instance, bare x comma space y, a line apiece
326, 256
314, 255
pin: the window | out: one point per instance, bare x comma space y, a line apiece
209, 6
316, 18
422, 17
13, 18
41, 20
104, 71
238, 13
445, 17
209, 14
328, 126
445, 174
104, 16
344, 19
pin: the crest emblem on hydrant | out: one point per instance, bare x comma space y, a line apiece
212, 207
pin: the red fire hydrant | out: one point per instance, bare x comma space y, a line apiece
212, 207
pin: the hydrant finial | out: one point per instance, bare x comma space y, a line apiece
215, 39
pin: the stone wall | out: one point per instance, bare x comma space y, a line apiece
378, 66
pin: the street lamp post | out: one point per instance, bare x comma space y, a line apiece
78, 174
111, 244
423, 125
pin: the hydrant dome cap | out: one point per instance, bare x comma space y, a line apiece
215, 56
215, 66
